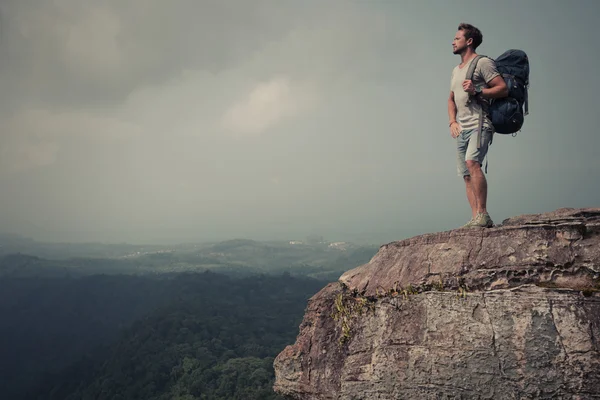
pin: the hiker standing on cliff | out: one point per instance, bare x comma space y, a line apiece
469, 123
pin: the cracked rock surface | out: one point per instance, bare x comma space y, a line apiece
511, 312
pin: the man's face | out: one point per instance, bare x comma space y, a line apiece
460, 44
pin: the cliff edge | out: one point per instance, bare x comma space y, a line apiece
510, 312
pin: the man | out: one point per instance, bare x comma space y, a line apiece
466, 100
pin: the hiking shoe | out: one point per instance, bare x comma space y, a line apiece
469, 224
483, 220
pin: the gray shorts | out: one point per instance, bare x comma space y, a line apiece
466, 148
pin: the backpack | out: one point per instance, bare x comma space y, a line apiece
507, 113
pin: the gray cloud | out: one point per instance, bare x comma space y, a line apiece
185, 120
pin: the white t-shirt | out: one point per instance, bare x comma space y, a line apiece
467, 115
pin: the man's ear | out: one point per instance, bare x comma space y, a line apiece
469, 42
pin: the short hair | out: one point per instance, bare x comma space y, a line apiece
471, 32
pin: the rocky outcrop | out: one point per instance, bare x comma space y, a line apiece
510, 312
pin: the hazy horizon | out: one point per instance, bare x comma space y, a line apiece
151, 122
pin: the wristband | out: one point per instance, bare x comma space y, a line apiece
451, 122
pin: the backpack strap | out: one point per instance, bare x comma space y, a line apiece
469, 76
472, 66
526, 100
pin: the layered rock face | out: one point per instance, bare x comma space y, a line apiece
510, 312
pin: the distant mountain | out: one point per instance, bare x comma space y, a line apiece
234, 257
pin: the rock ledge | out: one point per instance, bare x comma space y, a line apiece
511, 312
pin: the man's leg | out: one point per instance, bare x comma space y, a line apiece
471, 195
474, 158
478, 185
462, 144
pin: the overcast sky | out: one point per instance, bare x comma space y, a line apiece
151, 121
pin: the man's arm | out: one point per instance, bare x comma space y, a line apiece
497, 89
454, 126
451, 108
488, 72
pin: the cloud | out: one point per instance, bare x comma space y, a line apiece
79, 52
27, 154
76, 124
32, 138
134, 110
79, 72
92, 45
264, 106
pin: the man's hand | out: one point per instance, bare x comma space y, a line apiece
455, 129
496, 88
468, 86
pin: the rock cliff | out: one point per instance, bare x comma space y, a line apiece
510, 312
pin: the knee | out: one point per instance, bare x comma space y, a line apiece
473, 166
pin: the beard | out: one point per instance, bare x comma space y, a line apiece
459, 50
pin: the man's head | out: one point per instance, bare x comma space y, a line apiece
466, 36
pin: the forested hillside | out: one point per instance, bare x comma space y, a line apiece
179, 336
189, 321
